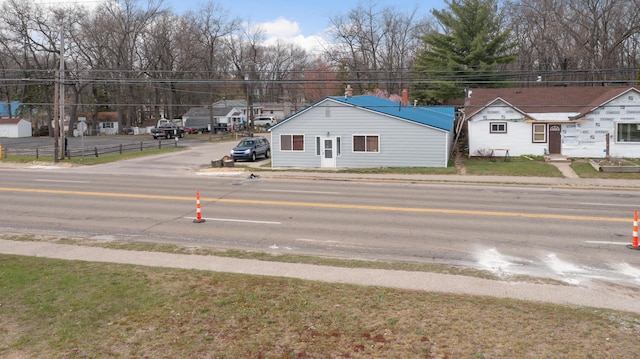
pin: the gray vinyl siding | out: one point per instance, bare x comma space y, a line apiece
402, 143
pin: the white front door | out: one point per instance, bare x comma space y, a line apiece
328, 152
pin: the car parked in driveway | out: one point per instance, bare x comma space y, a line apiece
264, 121
250, 148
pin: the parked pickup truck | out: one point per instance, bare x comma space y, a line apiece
167, 130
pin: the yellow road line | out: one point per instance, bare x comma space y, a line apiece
325, 205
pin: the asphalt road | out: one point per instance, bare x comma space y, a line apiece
572, 235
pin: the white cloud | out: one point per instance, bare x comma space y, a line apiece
285, 30
281, 28
89, 4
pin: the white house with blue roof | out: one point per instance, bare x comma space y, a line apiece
363, 132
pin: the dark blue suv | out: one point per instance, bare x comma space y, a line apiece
251, 148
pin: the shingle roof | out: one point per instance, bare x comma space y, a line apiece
439, 117
9, 121
230, 103
204, 111
545, 99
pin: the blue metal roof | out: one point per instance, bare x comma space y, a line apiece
435, 116
440, 117
4, 108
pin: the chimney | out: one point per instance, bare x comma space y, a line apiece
348, 92
405, 97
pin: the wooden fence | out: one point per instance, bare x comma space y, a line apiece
95, 151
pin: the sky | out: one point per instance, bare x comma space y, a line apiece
302, 22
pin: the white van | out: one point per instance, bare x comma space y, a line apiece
264, 121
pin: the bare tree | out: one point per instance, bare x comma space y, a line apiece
245, 55
29, 43
375, 47
161, 59
320, 80
213, 29
283, 67
113, 37
580, 41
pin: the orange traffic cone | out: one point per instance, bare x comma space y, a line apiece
198, 213
634, 237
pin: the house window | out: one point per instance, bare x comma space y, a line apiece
498, 127
539, 132
338, 147
291, 142
366, 143
318, 150
628, 132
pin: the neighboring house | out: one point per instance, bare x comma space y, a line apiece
107, 128
15, 127
363, 132
582, 122
273, 109
102, 124
240, 105
230, 103
108, 123
277, 110
229, 115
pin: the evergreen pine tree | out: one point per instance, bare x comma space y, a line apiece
466, 54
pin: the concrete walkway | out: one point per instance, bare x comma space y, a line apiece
566, 169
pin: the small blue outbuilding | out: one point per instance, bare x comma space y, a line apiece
363, 132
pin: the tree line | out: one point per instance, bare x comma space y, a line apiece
143, 60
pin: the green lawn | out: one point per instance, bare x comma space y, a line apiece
73, 309
89, 159
584, 169
517, 166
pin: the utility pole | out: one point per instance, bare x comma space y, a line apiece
211, 125
58, 104
54, 120
246, 82
61, 103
